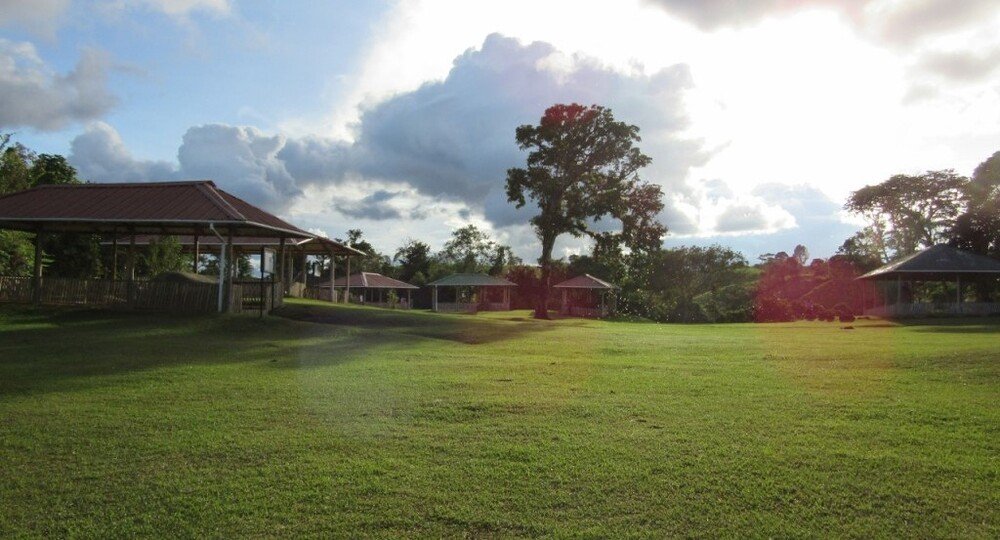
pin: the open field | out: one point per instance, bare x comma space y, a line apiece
349, 420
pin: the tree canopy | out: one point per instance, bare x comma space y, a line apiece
907, 213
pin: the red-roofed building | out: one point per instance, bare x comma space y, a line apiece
587, 296
195, 209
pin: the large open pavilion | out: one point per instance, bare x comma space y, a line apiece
940, 280
295, 263
198, 209
472, 293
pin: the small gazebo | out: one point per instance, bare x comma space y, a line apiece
374, 287
587, 296
935, 281
473, 292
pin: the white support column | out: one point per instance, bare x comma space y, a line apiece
434, 298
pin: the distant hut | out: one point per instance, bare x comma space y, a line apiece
472, 293
936, 281
587, 296
374, 289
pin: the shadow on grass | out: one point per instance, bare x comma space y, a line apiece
954, 325
65, 349
467, 329
69, 349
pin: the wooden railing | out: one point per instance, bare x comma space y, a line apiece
247, 296
319, 293
15, 289
256, 296
926, 309
457, 307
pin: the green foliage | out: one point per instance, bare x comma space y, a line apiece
663, 285
978, 229
907, 213
17, 254
414, 259
471, 250
584, 166
164, 254
371, 261
15, 167
49, 169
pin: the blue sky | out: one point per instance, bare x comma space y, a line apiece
397, 117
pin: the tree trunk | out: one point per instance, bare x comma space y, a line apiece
542, 307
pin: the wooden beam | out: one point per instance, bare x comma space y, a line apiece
131, 269
36, 281
197, 254
347, 285
114, 256
333, 272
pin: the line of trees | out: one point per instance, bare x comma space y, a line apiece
583, 168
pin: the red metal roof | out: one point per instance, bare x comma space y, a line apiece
155, 207
371, 280
585, 281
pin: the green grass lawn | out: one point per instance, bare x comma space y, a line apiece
358, 422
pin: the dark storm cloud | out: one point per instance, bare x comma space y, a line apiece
962, 66
374, 206
450, 140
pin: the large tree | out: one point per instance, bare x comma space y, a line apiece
471, 249
583, 166
978, 229
414, 259
907, 213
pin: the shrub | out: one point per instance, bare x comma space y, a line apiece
771, 309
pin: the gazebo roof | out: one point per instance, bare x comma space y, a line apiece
472, 280
311, 246
940, 259
585, 281
148, 207
371, 280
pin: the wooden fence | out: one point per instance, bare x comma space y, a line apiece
247, 296
934, 310
256, 296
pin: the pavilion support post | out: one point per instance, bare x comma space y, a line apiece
347, 284
263, 287
333, 274
36, 276
958, 292
434, 298
230, 271
197, 254
131, 269
862, 297
280, 266
288, 268
563, 307
899, 294
114, 256
409, 298
305, 264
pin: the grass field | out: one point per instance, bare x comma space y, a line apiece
360, 422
